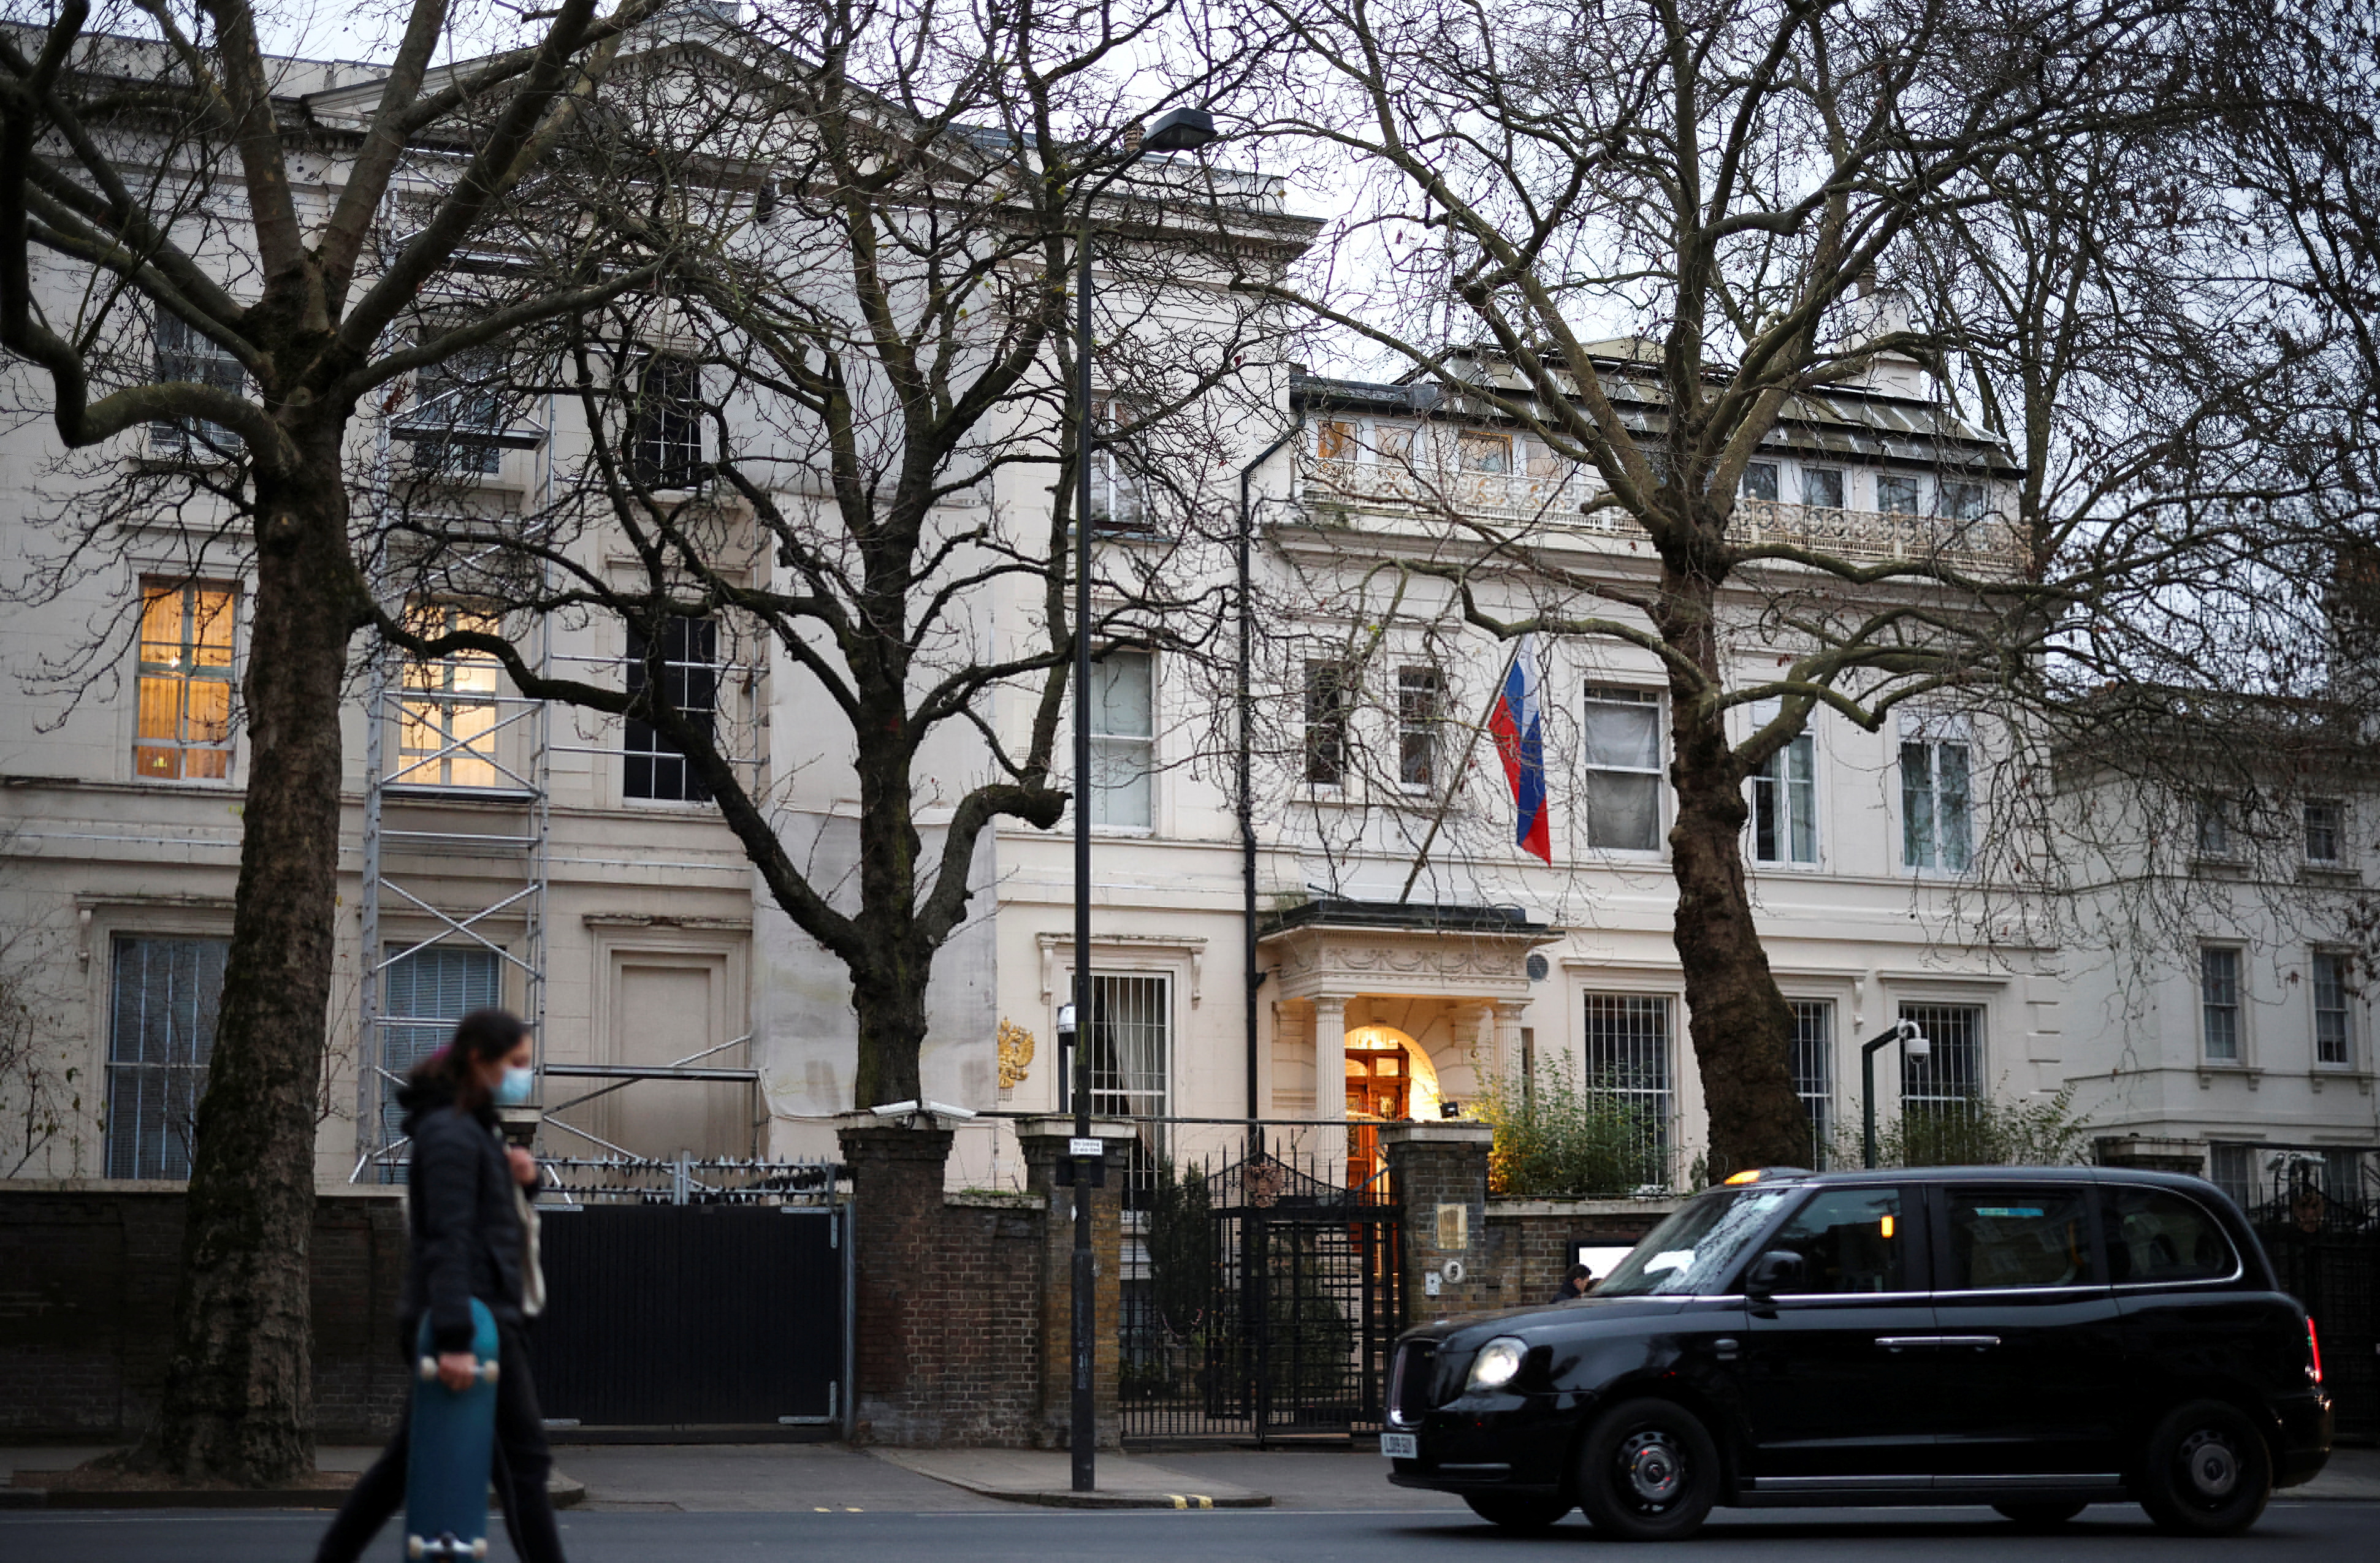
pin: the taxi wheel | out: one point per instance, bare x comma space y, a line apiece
2206, 1472
2045, 1516
1515, 1511
1648, 1470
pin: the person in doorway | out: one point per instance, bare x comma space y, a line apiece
1574, 1285
470, 1230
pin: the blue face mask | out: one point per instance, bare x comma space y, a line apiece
515, 1086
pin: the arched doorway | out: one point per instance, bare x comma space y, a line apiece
1390, 1079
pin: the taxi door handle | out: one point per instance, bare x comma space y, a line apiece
1974, 1342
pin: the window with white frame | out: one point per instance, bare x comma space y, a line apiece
1621, 751
1822, 487
1951, 1073
2218, 1002
2325, 830
448, 718
654, 766
1330, 699
1814, 1071
1420, 694
1937, 804
1123, 740
1335, 440
184, 687
1627, 1059
1896, 494
666, 423
455, 399
2214, 833
1964, 502
1785, 798
186, 354
2334, 1015
423, 992
1119, 489
1479, 449
1760, 481
160, 1031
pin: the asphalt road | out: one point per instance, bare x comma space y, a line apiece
2299, 1533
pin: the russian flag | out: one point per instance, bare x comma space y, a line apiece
1518, 722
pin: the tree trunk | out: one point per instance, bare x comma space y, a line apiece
890, 1000
888, 985
1742, 1028
239, 1397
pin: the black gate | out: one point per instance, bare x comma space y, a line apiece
689, 1315
2326, 1246
1264, 1308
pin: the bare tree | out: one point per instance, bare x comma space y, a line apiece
1652, 235
841, 445
196, 237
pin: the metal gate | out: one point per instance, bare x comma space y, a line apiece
730, 1309
2324, 1244
1263, 1303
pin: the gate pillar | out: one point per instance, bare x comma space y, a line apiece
1044, 1143
896, 1187
1438, 1174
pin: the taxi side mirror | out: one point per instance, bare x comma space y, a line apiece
1773, 1272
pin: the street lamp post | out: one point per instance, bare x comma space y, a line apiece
1915, 1045
1182, 129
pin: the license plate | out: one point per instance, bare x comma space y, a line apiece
1401, 1445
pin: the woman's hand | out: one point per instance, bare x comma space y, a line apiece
523, 1165
457, 1370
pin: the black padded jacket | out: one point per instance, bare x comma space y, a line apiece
465, 1229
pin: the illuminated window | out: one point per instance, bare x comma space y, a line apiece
447, 714
185, 682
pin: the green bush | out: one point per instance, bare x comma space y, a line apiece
1181, 1241
1561, 1140
1986, 1132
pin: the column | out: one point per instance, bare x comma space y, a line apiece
1505, 1027
1326, 1147
896, 1217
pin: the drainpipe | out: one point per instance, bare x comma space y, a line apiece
1253, 978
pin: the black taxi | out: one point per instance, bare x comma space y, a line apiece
2034, 1338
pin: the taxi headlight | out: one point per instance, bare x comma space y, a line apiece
1498, 1364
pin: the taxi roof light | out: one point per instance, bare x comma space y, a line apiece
1764, 1174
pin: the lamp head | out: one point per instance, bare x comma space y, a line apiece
1182, 129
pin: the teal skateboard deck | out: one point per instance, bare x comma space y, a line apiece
449, 1450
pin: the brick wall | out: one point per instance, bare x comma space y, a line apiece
87, 1283
1530, 1242
949, 1295
1440, 1172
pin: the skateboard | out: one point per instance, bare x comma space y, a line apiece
448, 1450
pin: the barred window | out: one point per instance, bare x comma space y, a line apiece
2232, 1169
161, 1032
2218, 1002
651, 765
184, 688
1951, 1075
423, 992
1132, 1026
1814, 1071
1628, 1059
2334, 1019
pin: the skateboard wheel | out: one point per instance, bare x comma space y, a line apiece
428, 1368
413, 1547
479, 1547
487, 1373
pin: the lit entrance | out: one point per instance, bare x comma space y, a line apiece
1390, 1079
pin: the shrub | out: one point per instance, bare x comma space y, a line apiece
1559, 1139
1986, 1132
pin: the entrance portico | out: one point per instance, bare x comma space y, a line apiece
1384, 1006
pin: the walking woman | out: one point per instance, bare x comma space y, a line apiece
470, 1238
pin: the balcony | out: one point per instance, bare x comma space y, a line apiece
1984, 545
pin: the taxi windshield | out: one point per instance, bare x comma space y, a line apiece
1698, 1247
